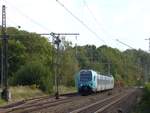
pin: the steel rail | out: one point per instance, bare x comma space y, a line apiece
112, 103
106, 103
23, 104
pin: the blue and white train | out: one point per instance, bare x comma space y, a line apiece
88, 81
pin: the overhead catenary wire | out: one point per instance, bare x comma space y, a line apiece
42, 26
81, 21
28, 17
124, 44
95, 19
91, 13
36, 23
99, 24
12, 22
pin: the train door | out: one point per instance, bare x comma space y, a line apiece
102, 83
95, 82
99, 86
101, 80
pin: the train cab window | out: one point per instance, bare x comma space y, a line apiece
85, 76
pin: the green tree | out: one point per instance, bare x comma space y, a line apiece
68, 64
34, 73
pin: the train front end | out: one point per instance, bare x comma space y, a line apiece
85, 84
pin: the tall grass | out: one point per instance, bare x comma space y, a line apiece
21, 93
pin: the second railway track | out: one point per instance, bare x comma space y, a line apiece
100, 106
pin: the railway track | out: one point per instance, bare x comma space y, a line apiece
100, 106
76, 103
31, 100
33, 104
36, 104
69, 103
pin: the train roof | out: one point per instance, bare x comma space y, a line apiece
98, 73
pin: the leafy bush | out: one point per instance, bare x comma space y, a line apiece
146, 96
34, 73
144, 106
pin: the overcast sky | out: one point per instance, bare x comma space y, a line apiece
126, 20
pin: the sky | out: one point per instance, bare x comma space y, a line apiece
108, 20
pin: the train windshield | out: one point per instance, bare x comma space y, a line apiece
85, 76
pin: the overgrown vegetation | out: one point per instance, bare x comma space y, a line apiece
32, 60
144, 105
